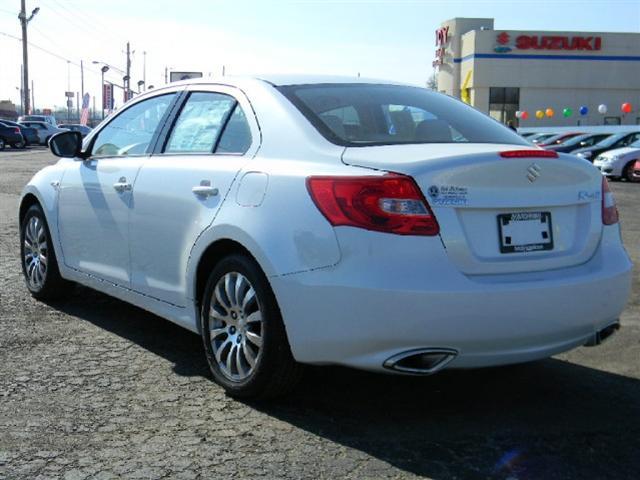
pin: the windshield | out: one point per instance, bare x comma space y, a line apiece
371, 114
610, 140
578, 139
635, 144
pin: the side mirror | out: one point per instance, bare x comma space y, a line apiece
66, 144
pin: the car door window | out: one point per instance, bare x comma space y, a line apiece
236, 137
199, 124
131, 132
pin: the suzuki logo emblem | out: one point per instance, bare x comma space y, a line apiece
533, 172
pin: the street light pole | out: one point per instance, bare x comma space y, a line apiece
103, 70
25, 72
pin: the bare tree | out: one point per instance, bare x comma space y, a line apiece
432, 82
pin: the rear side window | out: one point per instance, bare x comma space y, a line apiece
200, 121
370, 114
236, 138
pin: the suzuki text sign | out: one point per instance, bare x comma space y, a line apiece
547, 42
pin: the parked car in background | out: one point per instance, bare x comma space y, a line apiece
45, 130
261, 214
29, 134
76, 127
10, 135
580, 141
558, 139
527, 134
540, 137
619, 163
50, 119
614, 141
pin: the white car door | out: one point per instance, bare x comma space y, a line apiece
181, 187
95, 195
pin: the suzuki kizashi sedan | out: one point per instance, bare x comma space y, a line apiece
310, 220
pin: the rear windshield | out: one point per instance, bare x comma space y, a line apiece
370, 114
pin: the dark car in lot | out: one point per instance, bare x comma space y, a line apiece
10, 135
76, 127
558, 139
581, 141
29, 134
614, 141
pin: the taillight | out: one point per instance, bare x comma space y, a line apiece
609, 210
529, 154
16, 130
390, 203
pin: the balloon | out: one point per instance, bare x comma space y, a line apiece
549, 112
517, 113
567, 112
626, 107
524, 115
539, 114
602, 109
584, 110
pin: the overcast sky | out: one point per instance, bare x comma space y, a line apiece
392, 39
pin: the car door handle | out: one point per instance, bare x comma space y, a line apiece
205, 189
122, 185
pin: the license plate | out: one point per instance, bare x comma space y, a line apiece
525, 232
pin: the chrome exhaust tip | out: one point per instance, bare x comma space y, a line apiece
601, 335
421, 361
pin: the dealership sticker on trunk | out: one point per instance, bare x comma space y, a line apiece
525, 232
448, 195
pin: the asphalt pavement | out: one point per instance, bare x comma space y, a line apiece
95, 388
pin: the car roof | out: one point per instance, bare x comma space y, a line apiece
282, 80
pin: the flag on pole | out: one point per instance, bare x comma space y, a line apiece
84, 117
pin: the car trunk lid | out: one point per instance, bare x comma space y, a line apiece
494, 212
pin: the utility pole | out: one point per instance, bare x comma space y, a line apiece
33, 98
127, 90
82, 79
144, 69
166, 69
25, 73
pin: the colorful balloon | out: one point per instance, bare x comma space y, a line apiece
602, 109
584, 110
567, 112
524, 115
626, 107
539, 114
549, 112
518, 113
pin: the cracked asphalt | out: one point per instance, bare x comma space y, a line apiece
94, 388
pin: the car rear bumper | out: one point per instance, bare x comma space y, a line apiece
372, 306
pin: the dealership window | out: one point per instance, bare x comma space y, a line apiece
612, 120
503, 103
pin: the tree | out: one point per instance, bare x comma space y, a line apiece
432, 82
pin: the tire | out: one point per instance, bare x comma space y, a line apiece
627, 172
46, 142
22, 144
245, 327
42, 278
2, 144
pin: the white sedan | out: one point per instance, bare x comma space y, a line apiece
310, 220
618, 163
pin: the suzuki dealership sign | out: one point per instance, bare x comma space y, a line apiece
506, 44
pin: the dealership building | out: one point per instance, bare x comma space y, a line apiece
502, 71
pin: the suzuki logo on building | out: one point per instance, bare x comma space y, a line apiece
503, 43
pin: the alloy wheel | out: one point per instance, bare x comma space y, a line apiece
236, 326
36, 253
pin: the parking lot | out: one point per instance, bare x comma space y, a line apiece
95, 388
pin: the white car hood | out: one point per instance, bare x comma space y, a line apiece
620, 151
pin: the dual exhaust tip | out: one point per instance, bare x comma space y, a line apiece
421, 361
